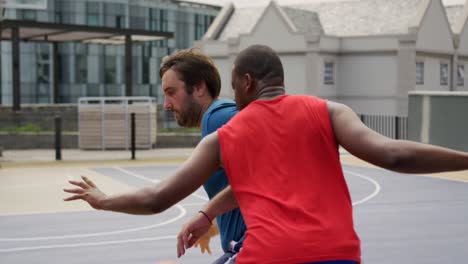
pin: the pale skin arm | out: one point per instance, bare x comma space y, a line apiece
196, 227
396, 155
203, 162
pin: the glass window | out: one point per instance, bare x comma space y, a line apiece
329, 73
444, 74
110, 69
163, 20
153, 19
81, 68
120, 21
419, 72
92, 13
145, 59
199, 26
461, 75
43, 64
28, 14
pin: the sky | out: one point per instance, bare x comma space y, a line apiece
241, 3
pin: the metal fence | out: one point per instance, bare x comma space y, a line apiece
395, 127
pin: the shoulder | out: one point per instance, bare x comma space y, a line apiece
218, 114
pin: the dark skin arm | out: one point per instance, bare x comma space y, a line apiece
396, 155
203, 162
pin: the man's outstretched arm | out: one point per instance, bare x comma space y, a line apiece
203, 162
396, 155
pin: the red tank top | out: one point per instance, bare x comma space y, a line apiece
282, 161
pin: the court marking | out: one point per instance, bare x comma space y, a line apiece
372, 195
376, 191
101, 243
141, 177
183, 212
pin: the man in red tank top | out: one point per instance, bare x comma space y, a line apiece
281, 157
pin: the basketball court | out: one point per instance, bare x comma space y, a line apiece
400, 218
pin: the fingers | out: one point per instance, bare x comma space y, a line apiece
191, 241
78, 191
74, 197
180, 243
208, 249
79, 184
202, 249
88, 181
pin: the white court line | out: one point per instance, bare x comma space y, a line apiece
192, 204
183, 212
112, 242
372, 195
376, 191
153, 180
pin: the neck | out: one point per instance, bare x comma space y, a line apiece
203, 107
269, 92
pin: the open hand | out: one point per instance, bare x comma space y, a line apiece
204, 241
191, 232
87, 192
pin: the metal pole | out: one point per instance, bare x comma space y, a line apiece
16, 68
133, 135
397, 127
58, 138
55, 73
361, 116
128, 65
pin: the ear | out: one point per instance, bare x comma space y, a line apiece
200, 89
249, 83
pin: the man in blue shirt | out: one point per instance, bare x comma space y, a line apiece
191, 85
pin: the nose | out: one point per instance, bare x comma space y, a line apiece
167, 104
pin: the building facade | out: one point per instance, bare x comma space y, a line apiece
367, 54
86, 69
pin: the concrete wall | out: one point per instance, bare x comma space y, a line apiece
40, 115
432, 72
43, 116
368, 82
70, 140
435, 23
294, 73
439, 118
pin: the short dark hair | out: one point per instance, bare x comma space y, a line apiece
192, 67
262, 63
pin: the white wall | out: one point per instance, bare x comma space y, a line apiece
463, 45
294, 66
372, 106
434, 33
465, 86
432, 73
224, 66
273, 30
368, 82
327, 90
366, 74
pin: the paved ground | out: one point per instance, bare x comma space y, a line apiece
400, 218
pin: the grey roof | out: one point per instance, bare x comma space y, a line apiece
454, 13
305, 21
244, 19
365, 17
343, 18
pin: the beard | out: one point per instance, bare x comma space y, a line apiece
190, 115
